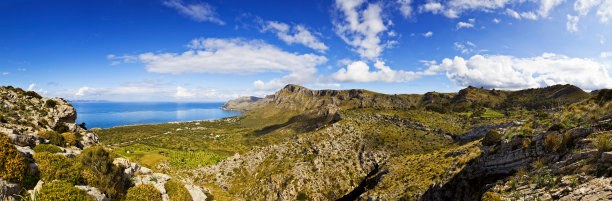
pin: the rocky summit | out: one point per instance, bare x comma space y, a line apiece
550, 143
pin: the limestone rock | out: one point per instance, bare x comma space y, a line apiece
196, 192
36, 189
8, 190
90, 139
26, 140
94, 192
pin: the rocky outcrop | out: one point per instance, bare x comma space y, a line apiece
499, 161
8, 190
94, 193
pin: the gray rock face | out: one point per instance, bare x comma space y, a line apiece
26, 140
8, 190
94, 192
90, 139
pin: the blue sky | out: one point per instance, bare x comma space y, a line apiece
182, 50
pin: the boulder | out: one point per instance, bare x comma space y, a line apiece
8, 190
8, 131
96, 194
196, 192
90, 139
37, 188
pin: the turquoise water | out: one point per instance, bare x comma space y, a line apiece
111, 114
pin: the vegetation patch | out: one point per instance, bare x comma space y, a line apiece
177, 191
47, 148
61, 191
13, 166
145, 192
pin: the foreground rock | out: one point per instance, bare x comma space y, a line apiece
9, 190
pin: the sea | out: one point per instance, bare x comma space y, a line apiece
111, 114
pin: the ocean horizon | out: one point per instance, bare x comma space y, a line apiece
106, 114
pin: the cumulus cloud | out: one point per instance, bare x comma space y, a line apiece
31, 87
464, 48
405, 7
496, 21
361, 28
454, 8
572, 23
605, 11
229, 56
152, 90
428, 34
201, 12
296, 34
547, 5
359, 71
469, 24
508, 72
605, 54
5, 73
182, 93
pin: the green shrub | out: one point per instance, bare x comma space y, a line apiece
12, 164
557, 127
61, 128
53, 137
47, 148
490, 196
145, 192
553, 142
33, 94
50, 103
437, 108
61, 190
177, 191
603, 144
102, 173
70, 138
492, 137
57, 167
302, 196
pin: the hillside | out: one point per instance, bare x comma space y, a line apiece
356, 144
302, 144
45, 155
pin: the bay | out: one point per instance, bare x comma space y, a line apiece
111, 114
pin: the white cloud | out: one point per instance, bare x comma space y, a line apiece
529, 15
361, 28
464, 25
21, 69
508, 72
433, 7
606, 54
182, 93
572, 23
115, 60
547, 5
229, 56
584, 6
513, 13
152, 90
200, 11
5, 73
428, 34
405, 7
605, 11
496, 21
298, 34
31, 87
359, 71
464, 48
